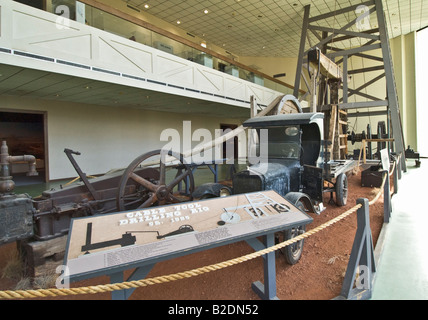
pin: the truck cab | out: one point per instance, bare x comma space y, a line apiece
293, 162
289, 150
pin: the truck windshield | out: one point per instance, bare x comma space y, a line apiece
283, 142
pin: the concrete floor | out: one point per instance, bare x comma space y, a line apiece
402, 271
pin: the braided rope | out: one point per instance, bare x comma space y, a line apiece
53, 292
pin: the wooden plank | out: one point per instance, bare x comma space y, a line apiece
328, 68
43, 257
332, 130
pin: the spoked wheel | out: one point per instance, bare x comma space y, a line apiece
293, 252
158, 191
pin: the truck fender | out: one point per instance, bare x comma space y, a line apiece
295, 197
211, 190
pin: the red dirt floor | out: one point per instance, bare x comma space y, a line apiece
317, 276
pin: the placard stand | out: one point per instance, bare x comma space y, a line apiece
109, 244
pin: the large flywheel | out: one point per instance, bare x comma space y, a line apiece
159, 189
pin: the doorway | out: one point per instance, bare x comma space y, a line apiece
25, 134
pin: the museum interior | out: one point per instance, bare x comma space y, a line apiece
213, 150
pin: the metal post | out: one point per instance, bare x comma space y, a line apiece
396, 176
387, 208
361, 259
117, 294
139, 273
345, 79
390, 83
400, 166
267, 291
301, 51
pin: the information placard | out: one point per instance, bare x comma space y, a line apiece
130, 238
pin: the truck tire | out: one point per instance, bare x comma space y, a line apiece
293, 252
341, 190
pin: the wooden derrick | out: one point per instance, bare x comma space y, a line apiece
337, 128
330, 130
336, 119
343, 136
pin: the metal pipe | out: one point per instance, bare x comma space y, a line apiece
31, 160
6, 183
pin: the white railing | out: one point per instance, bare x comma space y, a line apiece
66, 46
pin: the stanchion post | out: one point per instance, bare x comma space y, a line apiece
387, 208
361, 259
399, 166
396, 176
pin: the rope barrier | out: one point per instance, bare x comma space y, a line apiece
53, 292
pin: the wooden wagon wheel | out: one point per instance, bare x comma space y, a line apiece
155, 191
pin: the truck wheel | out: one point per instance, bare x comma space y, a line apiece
293, 252
341, 190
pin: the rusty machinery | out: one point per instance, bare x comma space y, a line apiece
48, 216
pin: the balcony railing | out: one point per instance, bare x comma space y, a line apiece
103, 17
103, 46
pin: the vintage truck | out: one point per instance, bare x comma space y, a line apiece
295, 168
